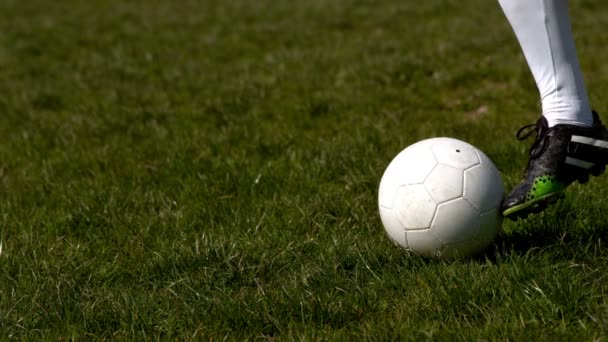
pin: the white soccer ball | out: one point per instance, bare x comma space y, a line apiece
440, 197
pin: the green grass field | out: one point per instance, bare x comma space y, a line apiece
209, 170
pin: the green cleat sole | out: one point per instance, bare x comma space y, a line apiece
532, 207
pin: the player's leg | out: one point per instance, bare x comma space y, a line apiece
570, 142
543, 30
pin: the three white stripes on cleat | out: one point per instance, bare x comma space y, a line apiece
587, 141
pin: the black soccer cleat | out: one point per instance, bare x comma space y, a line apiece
559, 156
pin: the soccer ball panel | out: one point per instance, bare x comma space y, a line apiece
455, 221
424, 242
414, 207
386, 194
444, 183
393, 227
455, 153
489, 224
411, 166
483, 186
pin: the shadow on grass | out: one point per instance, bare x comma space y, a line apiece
563, 232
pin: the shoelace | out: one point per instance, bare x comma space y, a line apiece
540, 144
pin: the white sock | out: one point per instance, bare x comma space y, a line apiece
543, 30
